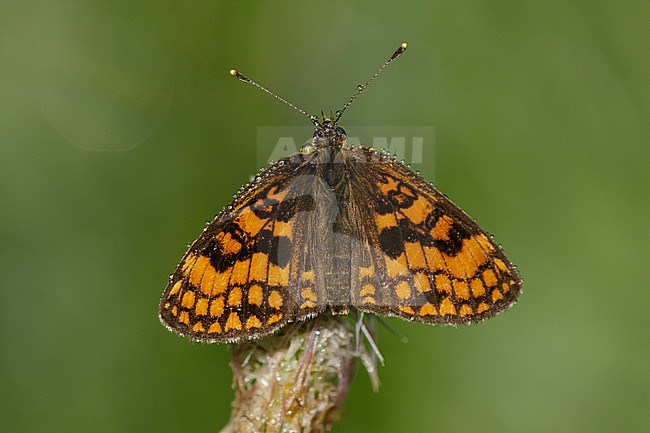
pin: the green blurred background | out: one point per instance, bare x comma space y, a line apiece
121, 133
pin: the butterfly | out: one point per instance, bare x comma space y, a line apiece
332, 229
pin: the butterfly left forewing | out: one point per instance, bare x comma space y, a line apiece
422, 258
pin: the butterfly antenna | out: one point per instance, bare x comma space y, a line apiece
235, 73
362, 87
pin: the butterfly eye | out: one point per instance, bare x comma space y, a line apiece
340, 132
319, 133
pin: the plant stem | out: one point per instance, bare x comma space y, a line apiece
296, 381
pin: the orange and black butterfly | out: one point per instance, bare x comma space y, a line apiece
330, 229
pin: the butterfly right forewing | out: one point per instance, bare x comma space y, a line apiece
257, 266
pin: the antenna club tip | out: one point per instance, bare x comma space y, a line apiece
404, 45
234, 72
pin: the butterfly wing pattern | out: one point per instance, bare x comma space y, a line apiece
330, 230
426, 260
234, 282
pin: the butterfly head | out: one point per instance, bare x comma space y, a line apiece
328, 134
